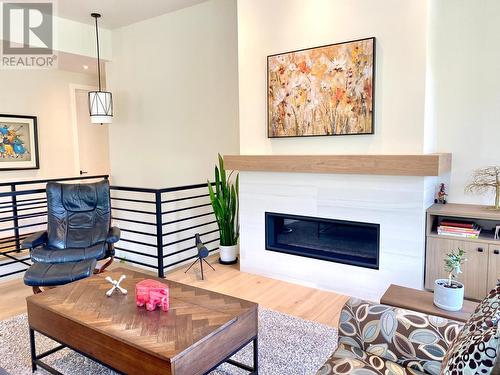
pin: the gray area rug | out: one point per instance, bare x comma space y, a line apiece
287, 345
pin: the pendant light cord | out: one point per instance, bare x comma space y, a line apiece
98, 55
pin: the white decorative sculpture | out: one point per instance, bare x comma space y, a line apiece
116, 285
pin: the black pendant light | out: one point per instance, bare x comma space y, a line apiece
100, 102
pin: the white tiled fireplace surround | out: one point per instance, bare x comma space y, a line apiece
397, 203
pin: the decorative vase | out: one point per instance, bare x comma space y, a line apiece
228, 254
447, 297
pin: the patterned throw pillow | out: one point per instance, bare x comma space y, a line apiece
486, 315
475, 353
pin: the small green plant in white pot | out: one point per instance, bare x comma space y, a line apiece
224, 200
449, 293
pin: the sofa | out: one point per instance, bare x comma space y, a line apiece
378, 339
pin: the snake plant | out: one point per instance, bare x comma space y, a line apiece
224, 200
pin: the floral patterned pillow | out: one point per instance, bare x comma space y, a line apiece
475, 353
487, 313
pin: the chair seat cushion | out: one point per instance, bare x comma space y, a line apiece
47, 255
348, 359
46, 274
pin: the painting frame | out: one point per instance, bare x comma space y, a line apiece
31, 123
373, 81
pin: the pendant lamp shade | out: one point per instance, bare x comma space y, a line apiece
100, 102
101, 107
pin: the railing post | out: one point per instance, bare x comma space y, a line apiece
15, 219
159, 233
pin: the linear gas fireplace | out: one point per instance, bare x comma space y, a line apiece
340, 241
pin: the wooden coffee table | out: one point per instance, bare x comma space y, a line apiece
201, 330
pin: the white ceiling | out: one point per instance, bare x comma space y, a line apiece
118, 13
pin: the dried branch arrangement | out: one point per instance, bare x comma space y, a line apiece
485, 180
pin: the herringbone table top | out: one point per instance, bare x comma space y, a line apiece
195, 314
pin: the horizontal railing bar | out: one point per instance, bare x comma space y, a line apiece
31, 208
53, 179
25, 216
131, 200
137, 232
21, 192
188, 248
185, 187
187, 218
133, 189
13, 273
188, 228
23, 226
133, 221
186, 208
189, 258
185, 198
23, 209
136, 252
134, 211
189, 238
21, 204
136, 262
138, 242
31, 199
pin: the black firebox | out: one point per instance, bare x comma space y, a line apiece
340, 241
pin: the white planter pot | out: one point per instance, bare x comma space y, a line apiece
446, 298
228, 253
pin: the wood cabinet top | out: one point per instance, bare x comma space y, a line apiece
472, 211
422, 301
391, 165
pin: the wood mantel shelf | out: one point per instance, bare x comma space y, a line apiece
391, 165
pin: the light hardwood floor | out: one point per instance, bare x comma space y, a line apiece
304, 302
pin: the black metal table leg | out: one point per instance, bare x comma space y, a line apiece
256, 355
251, 369
33, 350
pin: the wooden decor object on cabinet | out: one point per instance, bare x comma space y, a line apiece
482, 269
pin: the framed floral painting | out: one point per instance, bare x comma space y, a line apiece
18, 142
322, 91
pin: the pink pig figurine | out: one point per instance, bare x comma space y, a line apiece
152, 293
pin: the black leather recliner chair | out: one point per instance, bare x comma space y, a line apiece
78, 234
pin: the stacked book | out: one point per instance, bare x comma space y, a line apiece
458, 228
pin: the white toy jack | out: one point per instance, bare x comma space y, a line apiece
116, 285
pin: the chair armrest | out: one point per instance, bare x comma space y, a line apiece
404, 336
113, 235
34, 240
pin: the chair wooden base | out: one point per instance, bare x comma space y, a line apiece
38, 290
104, 266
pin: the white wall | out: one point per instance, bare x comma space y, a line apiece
437, 76
464, 56
175, 90
45, 94
271, 26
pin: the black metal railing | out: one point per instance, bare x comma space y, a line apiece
157, 225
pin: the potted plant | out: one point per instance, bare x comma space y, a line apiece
224, 200
449, 293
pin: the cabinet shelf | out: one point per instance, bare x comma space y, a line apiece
482, 269
486, 237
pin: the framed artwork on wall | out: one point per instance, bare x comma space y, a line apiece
322, 91
18, 142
